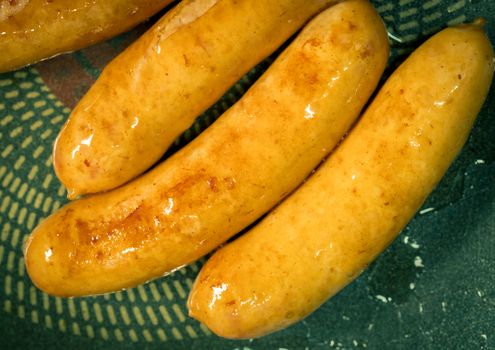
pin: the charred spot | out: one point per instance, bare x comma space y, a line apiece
187, 63
401, 91
302, 57
230, 182
312, 42
367, 52
203, 44
134, 213
212, 183
84, 128
289, 314
82, 227
87, 163
99, 255
186, 184
312, 78
352, 26
110, 124
232, 302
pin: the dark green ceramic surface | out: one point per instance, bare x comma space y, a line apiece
434, 288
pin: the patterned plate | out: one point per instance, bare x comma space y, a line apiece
433, 288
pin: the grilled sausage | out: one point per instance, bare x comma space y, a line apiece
322, 236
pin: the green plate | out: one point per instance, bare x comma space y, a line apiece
434, 288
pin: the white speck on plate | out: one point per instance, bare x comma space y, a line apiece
332, 343
414, 245
420, 308
355, 342
411, 286
382, 298
426, 210
479, 161
393, 37
411, 242
370, 327
480, 293
418, 262
484, 336
347, 318
444, 306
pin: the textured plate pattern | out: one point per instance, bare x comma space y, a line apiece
434, 288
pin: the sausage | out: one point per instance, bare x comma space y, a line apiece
154, 90
32, 30
323, 236
234, 172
